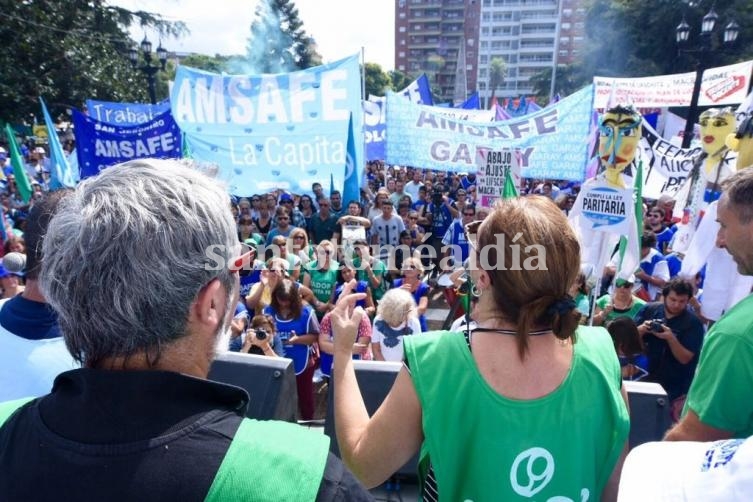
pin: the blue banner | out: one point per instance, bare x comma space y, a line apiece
264, 132
550, 143
124, 114
100, 145
375, 117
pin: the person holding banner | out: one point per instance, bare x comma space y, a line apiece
525, 373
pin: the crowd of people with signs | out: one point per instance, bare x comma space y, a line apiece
119, 291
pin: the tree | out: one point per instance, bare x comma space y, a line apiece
635, 38
497, 74
570, 78
278, 42
68, 55
377, 81
399, 80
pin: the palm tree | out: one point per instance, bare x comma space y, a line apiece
497, 74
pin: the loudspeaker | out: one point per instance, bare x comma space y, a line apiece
375, 379
269, 381
649, 412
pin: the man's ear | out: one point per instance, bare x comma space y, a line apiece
210, 304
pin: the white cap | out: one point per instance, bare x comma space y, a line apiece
2, 150
689, 471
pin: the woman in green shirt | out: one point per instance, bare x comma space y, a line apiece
622, 303
513, 408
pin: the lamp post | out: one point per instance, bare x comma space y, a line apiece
702, 51
149, 70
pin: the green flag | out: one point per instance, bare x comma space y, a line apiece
22, 180
509, 191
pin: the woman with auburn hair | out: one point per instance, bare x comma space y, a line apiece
548, 415
297, 327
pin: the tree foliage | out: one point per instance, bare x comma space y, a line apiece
636, 38
278, 42
497, 74
399, 80
377, 81
69, 54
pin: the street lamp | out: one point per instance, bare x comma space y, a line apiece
702, 50
149, 70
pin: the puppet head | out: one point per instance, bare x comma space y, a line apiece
619, 134
716, 125
742, 142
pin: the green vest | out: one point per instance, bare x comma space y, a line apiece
484, 446
322, 281
289, 469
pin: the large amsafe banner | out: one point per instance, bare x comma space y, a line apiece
550, 143
268, 131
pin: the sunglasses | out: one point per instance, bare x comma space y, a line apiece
287, 202
247, 222
409, 267
624, 284
283, 218
469, 214
471, 233
298, 237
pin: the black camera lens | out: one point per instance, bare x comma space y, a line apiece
261, 334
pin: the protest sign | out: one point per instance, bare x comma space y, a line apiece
125, 114
490, 178
725, 85
550, 143
100, 145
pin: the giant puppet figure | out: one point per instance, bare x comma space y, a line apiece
711, 168
723, 286
619, 134
605, 208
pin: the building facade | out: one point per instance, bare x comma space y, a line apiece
440, 37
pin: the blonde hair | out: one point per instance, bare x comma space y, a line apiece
397, 306
414, 262
532, 297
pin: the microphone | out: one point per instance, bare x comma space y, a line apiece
14, 262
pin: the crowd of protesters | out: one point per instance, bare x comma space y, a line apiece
408, 228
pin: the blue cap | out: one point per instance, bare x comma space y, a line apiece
4, 273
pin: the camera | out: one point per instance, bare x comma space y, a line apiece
657, 326
261, 334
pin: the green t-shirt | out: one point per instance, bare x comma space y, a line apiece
484, 446
322, 281
721, 390
615, 313
380, 271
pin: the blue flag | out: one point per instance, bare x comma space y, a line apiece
352, 189
60, 171
472, 103
100, 145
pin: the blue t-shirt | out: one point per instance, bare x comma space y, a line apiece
441, 219
29, 319
361, 287
301, 326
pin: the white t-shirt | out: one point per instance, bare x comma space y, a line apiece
388, 230
390, 339
689, 471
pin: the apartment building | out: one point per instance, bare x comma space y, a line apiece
436, 36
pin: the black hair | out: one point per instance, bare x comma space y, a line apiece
648, 240
36, 227
681, 287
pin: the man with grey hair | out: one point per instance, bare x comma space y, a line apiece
141, 264
719, 405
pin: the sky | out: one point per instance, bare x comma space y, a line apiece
340, 27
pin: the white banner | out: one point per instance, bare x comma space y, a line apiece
726, 85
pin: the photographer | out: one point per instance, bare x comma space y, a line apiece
439, 214
260, 338
672, 335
